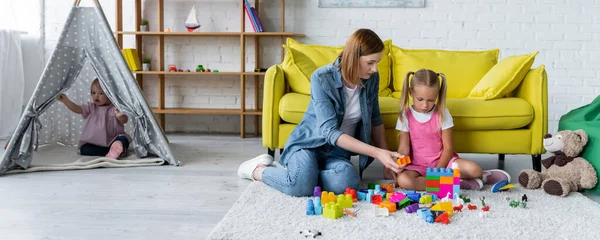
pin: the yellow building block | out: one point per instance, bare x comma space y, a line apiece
444, 206
345, 201
333, 211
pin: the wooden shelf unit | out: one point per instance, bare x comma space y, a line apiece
161, 110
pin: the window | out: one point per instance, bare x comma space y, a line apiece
22, 15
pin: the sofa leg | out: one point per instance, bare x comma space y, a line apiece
537, 162
271, 152
500, 161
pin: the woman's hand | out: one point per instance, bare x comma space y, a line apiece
388, 159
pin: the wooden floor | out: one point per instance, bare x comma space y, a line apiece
163, 202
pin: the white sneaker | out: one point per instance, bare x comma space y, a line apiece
247, 168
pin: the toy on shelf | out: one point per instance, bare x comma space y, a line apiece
172, 68
191, 23
200, 68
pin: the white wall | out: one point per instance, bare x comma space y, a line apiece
566, 32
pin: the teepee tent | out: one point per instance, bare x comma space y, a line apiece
86, 40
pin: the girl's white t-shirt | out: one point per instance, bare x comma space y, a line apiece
424, 117
352, 114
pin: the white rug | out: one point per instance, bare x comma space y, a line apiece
264, 213
87, 163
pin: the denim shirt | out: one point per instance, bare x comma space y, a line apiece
320, 126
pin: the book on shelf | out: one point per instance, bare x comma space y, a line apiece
252, 17
132, 59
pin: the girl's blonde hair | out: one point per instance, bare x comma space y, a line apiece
362, 42
424, 77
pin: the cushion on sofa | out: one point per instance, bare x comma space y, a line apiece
504, 77
468, 114
303, 59
463, 69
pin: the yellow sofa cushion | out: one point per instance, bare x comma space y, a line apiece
301, 60
468, 114
504, 77
463, 69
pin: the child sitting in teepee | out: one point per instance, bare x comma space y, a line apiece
103, 131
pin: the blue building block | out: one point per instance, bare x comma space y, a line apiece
439, 172
310, 207
414, 196
361, 196
425, 214
318, 206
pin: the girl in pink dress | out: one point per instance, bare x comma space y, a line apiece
426, 135
104, 127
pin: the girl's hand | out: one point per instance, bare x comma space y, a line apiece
118, 113
388, 159
62, 98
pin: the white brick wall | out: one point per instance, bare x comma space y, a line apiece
566, 32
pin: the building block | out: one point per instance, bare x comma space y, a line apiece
317, 191
444, 206
403, 203
425, 214
380, 212
446, 180
362, 196
397, 197
310, 207
403, 160
412, 208
352, 192
388, 188
426, 198
345, 201
391, 207
327, 197
333, 211
371, 185
441, 181
443, 219
318, 207
414, 196
376, 199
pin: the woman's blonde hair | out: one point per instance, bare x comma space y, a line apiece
424, 77
362, 42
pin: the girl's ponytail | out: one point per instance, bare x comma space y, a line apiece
404, 96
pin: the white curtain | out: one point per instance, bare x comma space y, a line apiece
12, 81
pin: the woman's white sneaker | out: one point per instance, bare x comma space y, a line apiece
247, 168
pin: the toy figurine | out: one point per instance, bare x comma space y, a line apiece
482, 198
310, 233
524, 198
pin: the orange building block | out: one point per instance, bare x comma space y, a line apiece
446, 180
391, 207
387, 187
403, 160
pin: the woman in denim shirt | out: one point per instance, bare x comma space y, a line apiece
342, 118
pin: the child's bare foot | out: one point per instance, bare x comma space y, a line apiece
115, 150
388, 173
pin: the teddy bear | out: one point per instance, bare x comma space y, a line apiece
564, 171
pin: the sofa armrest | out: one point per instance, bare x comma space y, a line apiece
534, 89
274, 88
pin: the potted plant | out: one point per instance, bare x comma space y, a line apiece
144, 26
146, 64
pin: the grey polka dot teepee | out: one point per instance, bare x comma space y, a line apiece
86, 40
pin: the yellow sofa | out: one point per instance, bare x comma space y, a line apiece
498, 107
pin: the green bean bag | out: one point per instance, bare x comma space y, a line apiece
587, 118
